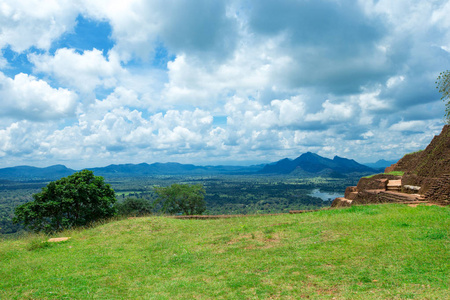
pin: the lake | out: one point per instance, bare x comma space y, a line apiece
325, 195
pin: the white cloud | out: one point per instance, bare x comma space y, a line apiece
332, 112
197, 27
35, 23
83, 72
26, 97
288, 76
409, 126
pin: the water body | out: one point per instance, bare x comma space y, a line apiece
325, 195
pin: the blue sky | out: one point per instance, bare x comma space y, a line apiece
91, 83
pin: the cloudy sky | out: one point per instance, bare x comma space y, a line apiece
91, 83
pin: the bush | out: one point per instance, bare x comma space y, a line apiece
134, 207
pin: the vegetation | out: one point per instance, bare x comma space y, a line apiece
182, 198
13, 194
443, 85
135, 207
362, 252
76, 200
394, 173
234, 194
415, 152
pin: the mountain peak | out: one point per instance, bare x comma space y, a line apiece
314, 164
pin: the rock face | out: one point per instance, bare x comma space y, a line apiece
426, 178
426, 168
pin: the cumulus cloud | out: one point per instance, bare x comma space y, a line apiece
332, 113
26, 97
332, 45
349, 78
414, 126
84, 72
198, 27
35, 23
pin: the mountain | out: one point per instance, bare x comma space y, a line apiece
124, 170
145, 169
381, 164
314, 164
34, 173
308, 164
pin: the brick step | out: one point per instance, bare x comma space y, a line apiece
388, 196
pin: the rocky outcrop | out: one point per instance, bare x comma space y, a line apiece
426, 178
425, 168
440, 192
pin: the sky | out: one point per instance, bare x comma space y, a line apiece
91, 83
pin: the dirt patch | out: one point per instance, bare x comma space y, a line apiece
209, 217
60, 239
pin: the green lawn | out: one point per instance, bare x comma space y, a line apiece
363, 252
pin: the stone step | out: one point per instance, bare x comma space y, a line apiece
389, 196
394, 185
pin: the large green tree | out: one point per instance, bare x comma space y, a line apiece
182, 198
443, 85
76, 200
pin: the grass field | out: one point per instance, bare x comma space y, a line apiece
363, 252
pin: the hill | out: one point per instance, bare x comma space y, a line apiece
144, 169
306, 165
315, 165
124, 170
362, 252
34, 173
381, 164
425, 168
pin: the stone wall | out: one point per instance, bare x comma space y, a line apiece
440, 192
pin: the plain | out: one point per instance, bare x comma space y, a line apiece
362, 252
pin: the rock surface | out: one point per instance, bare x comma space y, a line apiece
426, 178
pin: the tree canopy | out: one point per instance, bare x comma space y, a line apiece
182, 198
134, 207
76, 200
443, 85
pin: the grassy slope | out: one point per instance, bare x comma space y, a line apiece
365, 252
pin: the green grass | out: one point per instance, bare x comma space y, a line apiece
361, 252
418, 151
394, 173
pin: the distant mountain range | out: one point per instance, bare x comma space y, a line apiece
313, 164
306, 165
381, 164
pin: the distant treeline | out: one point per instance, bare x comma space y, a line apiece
249, 194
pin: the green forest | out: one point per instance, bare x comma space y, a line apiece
233, 194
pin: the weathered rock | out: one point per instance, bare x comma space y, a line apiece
341, 202
425, 178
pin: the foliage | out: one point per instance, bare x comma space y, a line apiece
134, 207
394, 173
387, 251
233, 194
76, 200
182, 198
415, 152
443, 85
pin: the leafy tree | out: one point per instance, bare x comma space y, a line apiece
182, 198
443, 85
76, 200
134, 207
